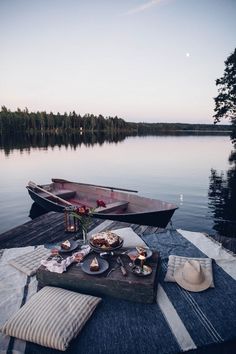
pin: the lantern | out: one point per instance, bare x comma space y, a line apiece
70, 221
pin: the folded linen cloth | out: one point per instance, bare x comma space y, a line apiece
59, 265
175, 262
28, 263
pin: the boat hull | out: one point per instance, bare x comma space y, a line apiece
45, 203
158, 218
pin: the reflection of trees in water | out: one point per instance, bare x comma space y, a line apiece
73, 140
26, 141
222, 201
222, 197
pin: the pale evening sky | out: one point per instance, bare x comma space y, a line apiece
143, 60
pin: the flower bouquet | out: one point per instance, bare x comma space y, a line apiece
84, 215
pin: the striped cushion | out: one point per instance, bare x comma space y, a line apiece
52, 317
175, 262
29, 263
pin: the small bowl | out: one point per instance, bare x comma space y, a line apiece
142, 272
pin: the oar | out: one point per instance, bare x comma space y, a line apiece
58, 180
34, 185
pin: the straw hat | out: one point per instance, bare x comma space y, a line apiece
191, 276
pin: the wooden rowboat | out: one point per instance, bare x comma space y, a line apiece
121, 204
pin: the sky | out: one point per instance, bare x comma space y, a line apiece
142, 60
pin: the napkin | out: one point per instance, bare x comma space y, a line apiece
57, 264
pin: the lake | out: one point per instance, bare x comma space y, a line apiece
186, 170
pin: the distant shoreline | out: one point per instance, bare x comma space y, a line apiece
202, 130
25, 122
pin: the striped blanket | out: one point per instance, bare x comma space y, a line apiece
178, 322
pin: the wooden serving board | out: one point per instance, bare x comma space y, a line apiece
130, 287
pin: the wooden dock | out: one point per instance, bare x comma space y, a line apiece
49, 228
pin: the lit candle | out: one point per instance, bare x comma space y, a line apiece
142, 259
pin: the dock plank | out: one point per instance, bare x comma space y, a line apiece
49, 228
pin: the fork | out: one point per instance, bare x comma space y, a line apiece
111, 270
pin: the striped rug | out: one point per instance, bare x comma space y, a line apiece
179, 321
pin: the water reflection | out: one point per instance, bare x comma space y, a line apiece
28, 141
222, 196
169, 167
36, 210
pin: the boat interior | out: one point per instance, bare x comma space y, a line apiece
72, 197
116, 201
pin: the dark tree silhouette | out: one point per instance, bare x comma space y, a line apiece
222, 197
225, 102
25, 122
222, 201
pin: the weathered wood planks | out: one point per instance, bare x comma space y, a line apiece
49, 228
130, 287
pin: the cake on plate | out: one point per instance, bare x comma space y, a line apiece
105, 239
94, 265
66, 245
141, 251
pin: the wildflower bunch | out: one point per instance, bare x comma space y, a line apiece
84, 214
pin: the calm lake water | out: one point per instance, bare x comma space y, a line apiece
177, 169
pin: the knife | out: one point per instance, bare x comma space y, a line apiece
122, 267
112, 253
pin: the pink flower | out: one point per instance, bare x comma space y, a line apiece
84, 210
101, 203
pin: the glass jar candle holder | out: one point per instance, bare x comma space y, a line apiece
70, 221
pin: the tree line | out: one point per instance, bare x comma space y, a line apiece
23, 121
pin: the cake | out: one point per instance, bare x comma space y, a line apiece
65, 245
106, 239
94, 265
142, 251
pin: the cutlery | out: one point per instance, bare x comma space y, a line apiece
111, 270
111, 253
122, 266
106, 254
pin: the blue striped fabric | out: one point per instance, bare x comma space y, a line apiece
180, 321
209, 316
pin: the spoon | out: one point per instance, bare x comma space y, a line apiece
106, 254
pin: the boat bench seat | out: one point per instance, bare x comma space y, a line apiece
112, 206
63, 193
